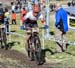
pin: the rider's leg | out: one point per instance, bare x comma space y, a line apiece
28, 43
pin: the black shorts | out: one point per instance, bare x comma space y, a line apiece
31, 24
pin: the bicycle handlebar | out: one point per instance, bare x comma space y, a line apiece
44, 27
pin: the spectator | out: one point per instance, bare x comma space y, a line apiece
29, 6
69, 4
23, 13
13, 17
62, 27
6, 19
22, 26
13, 6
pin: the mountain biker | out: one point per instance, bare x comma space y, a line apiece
31, 19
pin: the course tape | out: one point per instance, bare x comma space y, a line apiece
17, 34
52, 38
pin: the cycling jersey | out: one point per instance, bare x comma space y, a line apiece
31, 20
30, 16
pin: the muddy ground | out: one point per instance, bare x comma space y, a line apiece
15, 59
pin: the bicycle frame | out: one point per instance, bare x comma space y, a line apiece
35, 46
32, 36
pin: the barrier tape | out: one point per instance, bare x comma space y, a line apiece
17, 34
52, 38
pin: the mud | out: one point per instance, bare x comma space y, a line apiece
21, 60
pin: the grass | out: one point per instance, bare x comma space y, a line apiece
63, 60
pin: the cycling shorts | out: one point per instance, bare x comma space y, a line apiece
30, 24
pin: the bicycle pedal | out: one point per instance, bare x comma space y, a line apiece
32, 59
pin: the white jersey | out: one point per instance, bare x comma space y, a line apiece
32, 17
13, 8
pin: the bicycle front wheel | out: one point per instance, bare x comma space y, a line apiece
37, 52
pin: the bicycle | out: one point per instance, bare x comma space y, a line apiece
34, 49
3, 39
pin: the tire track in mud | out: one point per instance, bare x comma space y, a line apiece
15, 55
